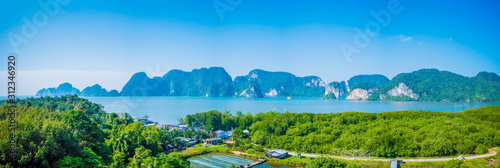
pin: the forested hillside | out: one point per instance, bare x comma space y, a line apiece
377, 80
435, 85
72, 132
422, 85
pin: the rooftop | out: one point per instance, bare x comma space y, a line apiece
185, 139
279, 151
212, 139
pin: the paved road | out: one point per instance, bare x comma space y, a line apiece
386, 160
405, 160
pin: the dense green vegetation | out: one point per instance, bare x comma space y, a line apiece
211, 82
330, 95
435, 85
245, 88
426, 84
214, 82
364, 85
69, 131
325, 162
386, 134
377, 80
284, 83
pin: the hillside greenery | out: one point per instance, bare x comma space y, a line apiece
364, 85
427, 85
69, 131
245, 88
377, 80
284, 83
435, 85
386, 134
212, 82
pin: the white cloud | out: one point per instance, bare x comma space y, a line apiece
405, 38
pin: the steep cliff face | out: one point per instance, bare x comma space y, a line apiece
272, 93
362, 91
313, 81
275, 84
358, 94
336, 90
251, 92
212, 82
440, 86
247, 89
400, 91
421, 85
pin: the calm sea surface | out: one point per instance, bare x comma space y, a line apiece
168, 109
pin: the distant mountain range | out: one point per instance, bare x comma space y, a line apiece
421, 85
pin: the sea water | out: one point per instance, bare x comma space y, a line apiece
168, 110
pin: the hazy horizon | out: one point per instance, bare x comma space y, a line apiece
93, 42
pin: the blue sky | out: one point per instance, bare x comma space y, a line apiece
88, 42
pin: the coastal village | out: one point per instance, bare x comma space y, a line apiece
219, 137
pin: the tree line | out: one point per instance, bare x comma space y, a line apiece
387, 134
69, 131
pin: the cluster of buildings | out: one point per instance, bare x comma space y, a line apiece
212, 141
227, 134
145, 121
223, 134
180, 126
220, 135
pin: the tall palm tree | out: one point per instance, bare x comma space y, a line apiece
120, 143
